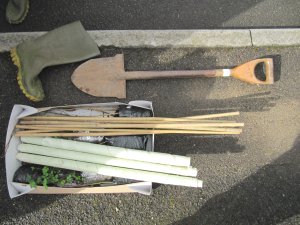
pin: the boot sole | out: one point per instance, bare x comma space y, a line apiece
16, 60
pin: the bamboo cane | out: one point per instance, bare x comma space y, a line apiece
45, 122
122, 125
118, 120
20, 134
214, 115
32, 129
131, 118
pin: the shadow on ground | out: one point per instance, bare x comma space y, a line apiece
270, 196
259, 102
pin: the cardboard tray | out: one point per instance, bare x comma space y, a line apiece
12, 164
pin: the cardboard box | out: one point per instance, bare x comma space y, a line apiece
12, 164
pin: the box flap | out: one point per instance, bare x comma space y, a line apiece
142, 104
18, 112
11, 163
144, 188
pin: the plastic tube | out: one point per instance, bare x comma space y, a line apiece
105, 160
110, 170
98, 149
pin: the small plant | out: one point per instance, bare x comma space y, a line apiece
53, 176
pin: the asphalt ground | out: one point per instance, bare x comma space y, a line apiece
253, 178
144, 14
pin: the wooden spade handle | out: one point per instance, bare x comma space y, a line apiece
141, 75
244, 72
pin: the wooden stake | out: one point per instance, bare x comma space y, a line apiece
54, 129
213, 115
120, 122
21, 134
142, 126
88, 118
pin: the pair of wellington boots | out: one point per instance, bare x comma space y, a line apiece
66, 44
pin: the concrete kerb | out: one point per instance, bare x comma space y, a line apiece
176, 38
173, 38
275, 37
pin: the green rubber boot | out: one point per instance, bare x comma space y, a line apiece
16, 11
66, 44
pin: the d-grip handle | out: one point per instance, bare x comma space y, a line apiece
246, 71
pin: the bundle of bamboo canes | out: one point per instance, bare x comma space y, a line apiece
70, 126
